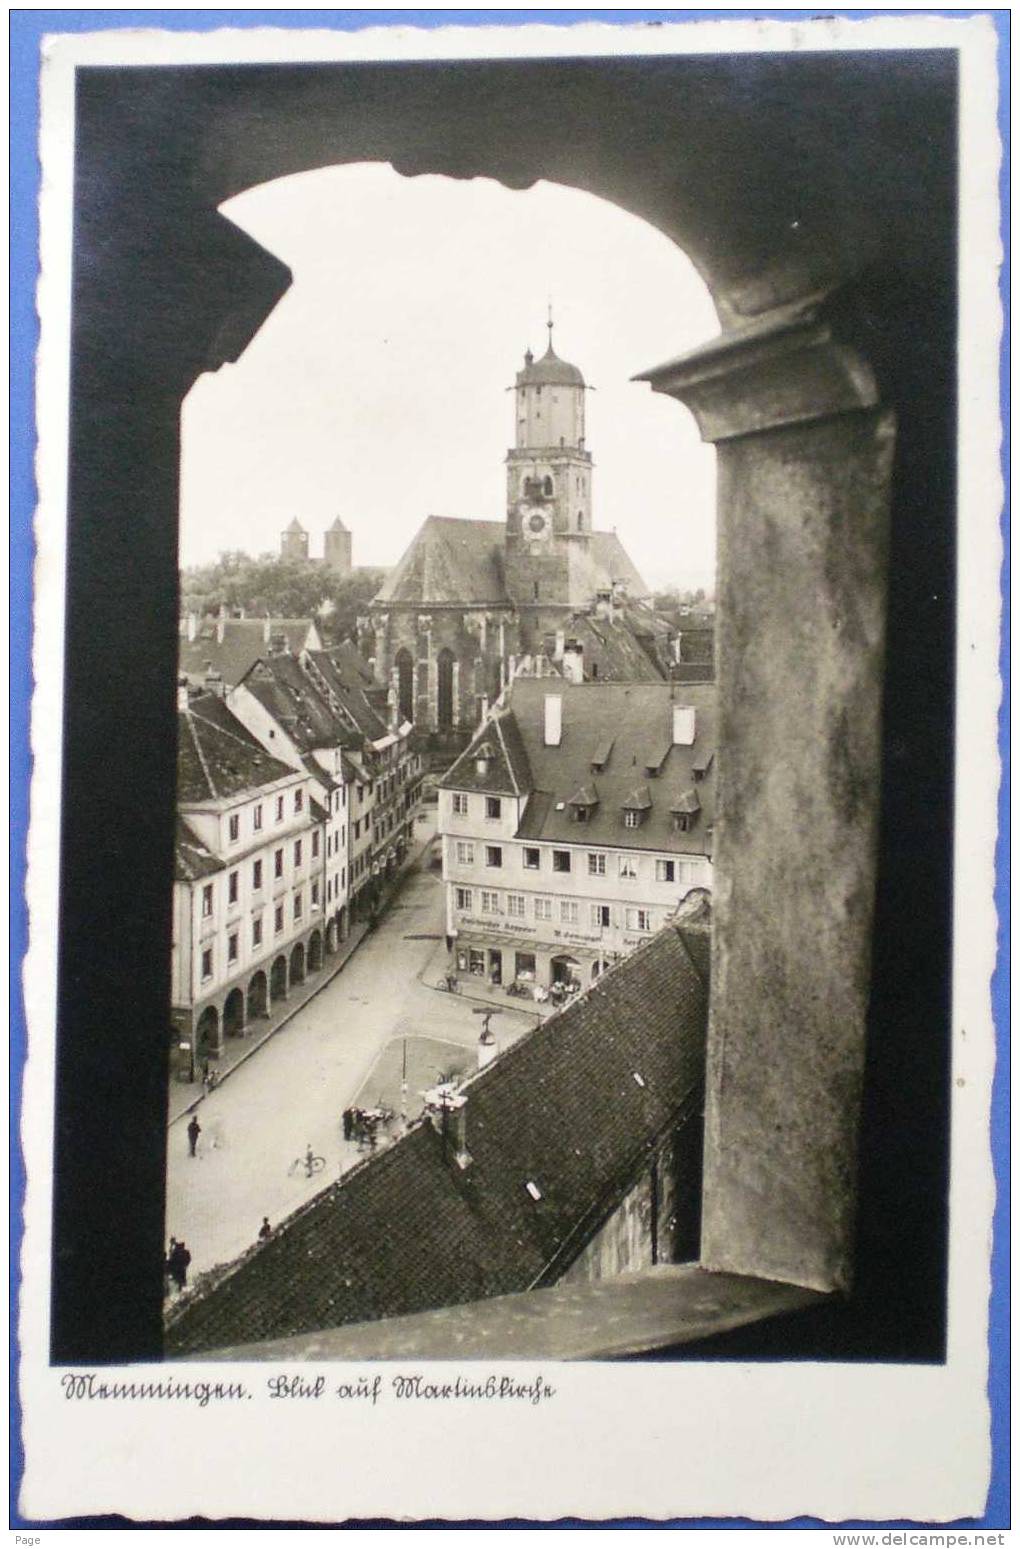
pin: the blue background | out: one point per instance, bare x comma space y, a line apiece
27, 28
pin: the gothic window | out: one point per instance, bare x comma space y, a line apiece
580, 520
547, 485
405, 685
444, 690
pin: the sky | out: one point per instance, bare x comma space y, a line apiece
376, 390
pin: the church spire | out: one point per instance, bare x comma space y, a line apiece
549, 325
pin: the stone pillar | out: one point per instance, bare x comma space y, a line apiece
805, 453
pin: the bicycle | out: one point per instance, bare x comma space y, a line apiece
451, 983
311, 1164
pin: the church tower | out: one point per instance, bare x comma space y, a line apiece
294, 541
548, 526
336, 549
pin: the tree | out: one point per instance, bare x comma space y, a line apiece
283, 588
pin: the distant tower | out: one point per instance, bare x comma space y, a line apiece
548, 533
294, 541
336, 549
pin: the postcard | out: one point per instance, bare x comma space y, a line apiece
511, 868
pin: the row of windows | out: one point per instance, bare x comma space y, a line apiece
233, 877
566, 910
633, 817
493, 805
667, 869
257, 815
258, 930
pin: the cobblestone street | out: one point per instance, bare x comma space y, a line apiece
289, 1093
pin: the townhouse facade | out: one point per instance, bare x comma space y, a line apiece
323, 712
574, 825
248, 892
289, 718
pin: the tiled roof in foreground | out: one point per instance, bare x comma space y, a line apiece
570, 1109
217, 757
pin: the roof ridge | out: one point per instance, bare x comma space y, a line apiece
191, 718
497, 721
250, 747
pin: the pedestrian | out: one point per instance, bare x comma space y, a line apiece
177, 1263
194, 1130
348, 1120
265, 1230
167, 1276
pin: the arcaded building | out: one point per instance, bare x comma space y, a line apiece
470, 601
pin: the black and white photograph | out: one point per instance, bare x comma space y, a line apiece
511, 876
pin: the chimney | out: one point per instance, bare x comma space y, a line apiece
559, 646
604, 603
278, 645
192, 625
553, 720
573, 662
683, 726
182, 691
447, 1112
267, 629
221, 624
213, 681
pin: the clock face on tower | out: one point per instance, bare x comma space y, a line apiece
535, 523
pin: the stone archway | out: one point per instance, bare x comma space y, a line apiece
297, 964
233, 1014
278, 980
207, 1033
258, 996
314, 952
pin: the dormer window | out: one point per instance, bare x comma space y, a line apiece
583, 803
636, 806
483, 758
600, 757
684, 811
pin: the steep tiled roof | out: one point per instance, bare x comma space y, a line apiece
570, 1109
295, 703
612, 558
217, 757
611, 646
508, 772
450, 560
244, 641
634, 720
342, 676
191, 858
454, 560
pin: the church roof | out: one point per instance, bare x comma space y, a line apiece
455, 560
451, 560
550, 371
611, 557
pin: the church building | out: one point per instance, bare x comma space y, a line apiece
473, 604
